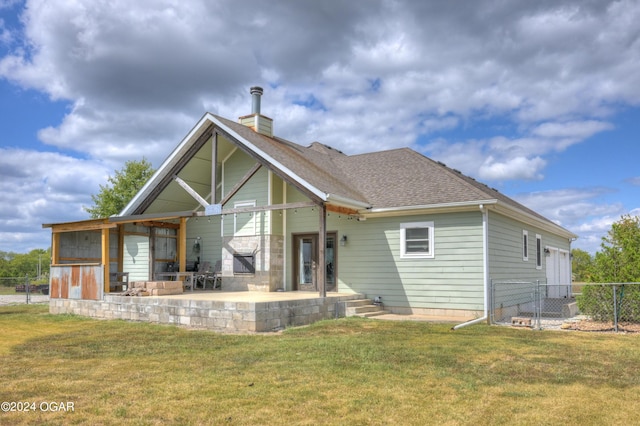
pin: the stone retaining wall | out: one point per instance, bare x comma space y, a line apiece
209, 314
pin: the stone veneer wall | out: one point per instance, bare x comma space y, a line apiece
269, 263
208, 314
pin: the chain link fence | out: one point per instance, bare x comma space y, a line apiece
531, 303
537, 304
22, 286
613, 303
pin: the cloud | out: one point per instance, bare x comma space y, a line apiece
502, 158
513, 168
541, 77
571, 130
570, 206
39, 187
584, 211
385, 72
634, 181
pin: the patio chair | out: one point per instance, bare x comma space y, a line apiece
210, 276
203, 270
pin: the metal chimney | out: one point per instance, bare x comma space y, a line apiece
256, 92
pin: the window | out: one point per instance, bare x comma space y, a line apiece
538, 251
416, 240
525, 245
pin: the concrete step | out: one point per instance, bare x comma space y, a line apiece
358, 302
363, 308
373, 314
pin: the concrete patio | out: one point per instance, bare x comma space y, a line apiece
235, 312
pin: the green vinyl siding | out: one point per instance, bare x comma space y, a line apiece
254, 190
208, 229
277, 197
453, 279
505, 249
370, 262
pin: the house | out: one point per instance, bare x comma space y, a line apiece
278, 216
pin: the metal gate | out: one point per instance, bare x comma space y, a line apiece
530, 303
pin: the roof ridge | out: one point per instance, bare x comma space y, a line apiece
386, 151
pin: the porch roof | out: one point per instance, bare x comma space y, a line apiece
113, 221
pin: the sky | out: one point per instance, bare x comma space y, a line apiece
538, 99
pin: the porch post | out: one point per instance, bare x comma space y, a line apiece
214, 166
182, 245
121, 248
322, 243
105, 259
55, 247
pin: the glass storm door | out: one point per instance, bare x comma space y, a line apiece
306, 260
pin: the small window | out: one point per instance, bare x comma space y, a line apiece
538, 251
416, 240
525, 245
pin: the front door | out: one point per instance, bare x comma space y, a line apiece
305, 262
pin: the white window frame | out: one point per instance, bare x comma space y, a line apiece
539, 251
240, 204
525, 245
403, 240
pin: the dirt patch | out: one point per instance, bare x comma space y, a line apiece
589, 325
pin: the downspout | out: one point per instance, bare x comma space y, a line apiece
485, 269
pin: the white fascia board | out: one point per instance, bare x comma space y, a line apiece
175, 155
494, 204
193, 134
339, 200
269, 159
532, 220
428, 208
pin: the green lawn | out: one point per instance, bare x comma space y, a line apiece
344, 372
7, 290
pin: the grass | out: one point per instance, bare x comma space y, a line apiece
350, 371
4, 290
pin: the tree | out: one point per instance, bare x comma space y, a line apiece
581, 265
619, 259
617, 262
34, 264
122, 187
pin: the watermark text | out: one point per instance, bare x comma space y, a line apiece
45, 406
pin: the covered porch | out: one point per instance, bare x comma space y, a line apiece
94, 258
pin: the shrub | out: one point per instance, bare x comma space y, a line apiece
596, 301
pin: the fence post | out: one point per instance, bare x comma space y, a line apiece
615, 309
539, 307
26, 287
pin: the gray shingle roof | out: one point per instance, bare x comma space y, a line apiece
386, 179
310, 163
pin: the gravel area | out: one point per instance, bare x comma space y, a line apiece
20, 299
583, 323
